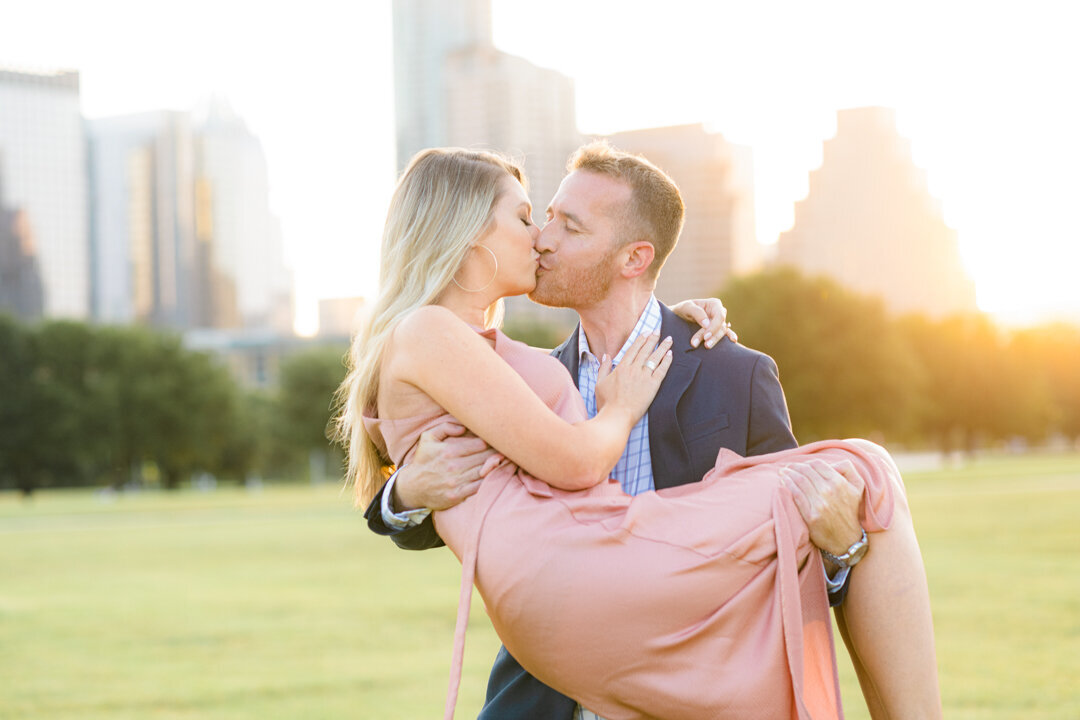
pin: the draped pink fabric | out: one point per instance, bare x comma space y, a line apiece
700, 601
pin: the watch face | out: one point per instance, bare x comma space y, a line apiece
858, 553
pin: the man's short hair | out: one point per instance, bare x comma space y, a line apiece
656, 209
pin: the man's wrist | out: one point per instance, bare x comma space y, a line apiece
399, 520
852, 555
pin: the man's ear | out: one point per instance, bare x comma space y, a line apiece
638, 257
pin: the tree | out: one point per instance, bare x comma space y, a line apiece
1053, 353
20, 402
845, 369
309, 382
163, 404
976, 391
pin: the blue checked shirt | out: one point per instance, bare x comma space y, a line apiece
634, 469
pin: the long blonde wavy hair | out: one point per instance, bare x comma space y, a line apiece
443, 202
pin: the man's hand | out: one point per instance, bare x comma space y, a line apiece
447, 468
711, 315
828, 497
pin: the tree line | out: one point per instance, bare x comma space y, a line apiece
851, 369
92, 405
105, 405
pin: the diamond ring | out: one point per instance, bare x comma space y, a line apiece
650, 364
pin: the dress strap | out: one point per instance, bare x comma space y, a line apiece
468, 576
787, 573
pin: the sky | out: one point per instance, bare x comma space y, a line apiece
986, 92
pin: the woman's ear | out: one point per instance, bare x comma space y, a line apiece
639, 256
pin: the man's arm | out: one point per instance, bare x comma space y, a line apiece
769, 428
411, 537
446, 468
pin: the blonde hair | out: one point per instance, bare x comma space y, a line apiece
443, 202
656, 210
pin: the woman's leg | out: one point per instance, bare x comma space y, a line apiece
887, 626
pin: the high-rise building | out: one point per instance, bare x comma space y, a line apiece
716, 180
145, 261
21, 293
869, 222
425, 33
502, 102
452, 87
234, 195
43, 169
182, 232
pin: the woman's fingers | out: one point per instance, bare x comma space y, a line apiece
661, 353
605, 368
662, 366
639, 349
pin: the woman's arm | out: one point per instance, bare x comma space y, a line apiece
436, 352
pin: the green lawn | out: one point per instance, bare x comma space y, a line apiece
281, 604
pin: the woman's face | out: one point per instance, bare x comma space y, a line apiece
512, 238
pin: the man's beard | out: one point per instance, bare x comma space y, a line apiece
575, 288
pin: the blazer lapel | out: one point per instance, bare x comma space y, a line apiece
568, 354
666, 445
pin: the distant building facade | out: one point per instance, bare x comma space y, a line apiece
21, 292
247, 247
182, 234
869, 222
503, 102
254, 357
425, 33
43, 171
145, 263
716, 180
452, 87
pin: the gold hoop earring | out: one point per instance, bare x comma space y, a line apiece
492, 275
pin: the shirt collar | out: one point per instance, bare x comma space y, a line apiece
648, 322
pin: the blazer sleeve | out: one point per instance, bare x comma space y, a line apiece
418, 537
770, 425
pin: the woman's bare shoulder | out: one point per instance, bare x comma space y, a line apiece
430, 335
427, 325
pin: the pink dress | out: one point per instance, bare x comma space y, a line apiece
700, 601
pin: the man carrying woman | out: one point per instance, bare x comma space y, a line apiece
459, 237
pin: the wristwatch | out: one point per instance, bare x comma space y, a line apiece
853, 555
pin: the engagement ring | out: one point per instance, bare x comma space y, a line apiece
651, 365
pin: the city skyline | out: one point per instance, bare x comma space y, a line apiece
989, 121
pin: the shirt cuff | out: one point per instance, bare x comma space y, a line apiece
835, 583
399, 520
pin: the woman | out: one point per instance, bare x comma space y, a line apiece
749, 635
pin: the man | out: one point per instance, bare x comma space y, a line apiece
610, 227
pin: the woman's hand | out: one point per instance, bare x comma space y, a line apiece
632, 385
711, 315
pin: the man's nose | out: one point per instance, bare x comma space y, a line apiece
543, 242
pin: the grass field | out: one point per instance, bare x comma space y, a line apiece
280, 603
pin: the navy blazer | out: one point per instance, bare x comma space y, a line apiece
728, 396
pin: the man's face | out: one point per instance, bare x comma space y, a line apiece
580, 243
